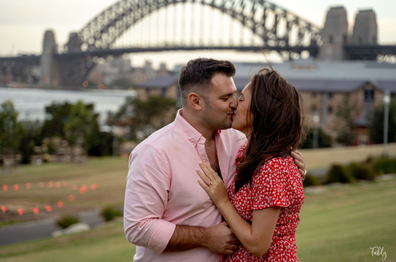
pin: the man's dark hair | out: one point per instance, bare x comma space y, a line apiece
197, 75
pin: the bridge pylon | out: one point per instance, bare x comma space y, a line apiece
365, 29
334, 35
49, 66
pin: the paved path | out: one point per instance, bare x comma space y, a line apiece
42, 228
319, 172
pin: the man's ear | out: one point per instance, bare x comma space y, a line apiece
195, 101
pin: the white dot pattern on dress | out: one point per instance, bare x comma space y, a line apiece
276, 183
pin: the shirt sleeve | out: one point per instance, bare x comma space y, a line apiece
276, 184
146, 198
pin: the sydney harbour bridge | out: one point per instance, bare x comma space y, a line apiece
135, 26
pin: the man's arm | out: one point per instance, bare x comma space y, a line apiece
146, 198
218, 238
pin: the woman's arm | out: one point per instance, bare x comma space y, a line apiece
255, 237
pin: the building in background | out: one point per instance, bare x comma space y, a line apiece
117, 73
164, 86
325, 88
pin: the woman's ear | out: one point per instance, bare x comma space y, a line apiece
195, 101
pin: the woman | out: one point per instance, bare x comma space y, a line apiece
263, 203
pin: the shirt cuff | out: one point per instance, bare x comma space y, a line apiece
162, 233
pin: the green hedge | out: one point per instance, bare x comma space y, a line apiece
361, 172
110, 213
366, 170
65, 222
339, 174
385, 166
311, 180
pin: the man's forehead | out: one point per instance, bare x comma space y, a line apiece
223, 84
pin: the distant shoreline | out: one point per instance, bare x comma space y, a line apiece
123, 91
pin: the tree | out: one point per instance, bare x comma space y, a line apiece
10, 132
144, 116
31, 137
345, 133
376, 123
100, 144
56, 117
76, 123
324, 140
81, 123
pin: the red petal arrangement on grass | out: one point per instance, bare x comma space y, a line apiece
50, 184
83, 189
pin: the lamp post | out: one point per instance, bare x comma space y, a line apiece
386, 119
316, 130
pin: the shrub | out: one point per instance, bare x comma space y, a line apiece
361, 172
311, 180
65, 222
376, 123
385, 166
110, 213
345, 137
369, 159
324, 140
339, 174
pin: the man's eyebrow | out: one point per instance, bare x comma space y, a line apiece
229, 94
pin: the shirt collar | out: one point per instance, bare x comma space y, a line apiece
191, 133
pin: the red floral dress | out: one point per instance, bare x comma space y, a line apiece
276, 183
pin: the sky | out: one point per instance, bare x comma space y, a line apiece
23, 22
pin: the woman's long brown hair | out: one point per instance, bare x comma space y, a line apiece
276, 123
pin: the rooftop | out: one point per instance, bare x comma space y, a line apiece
159, 82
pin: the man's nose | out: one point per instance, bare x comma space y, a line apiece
234, 103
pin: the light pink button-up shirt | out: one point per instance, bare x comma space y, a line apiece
162, 189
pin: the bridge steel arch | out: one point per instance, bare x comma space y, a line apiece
104, 29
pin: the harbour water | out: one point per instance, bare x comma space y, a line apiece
30, 103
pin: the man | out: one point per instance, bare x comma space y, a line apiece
167, 214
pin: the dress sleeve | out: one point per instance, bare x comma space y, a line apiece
276, 184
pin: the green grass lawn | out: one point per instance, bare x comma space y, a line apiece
339, 224
104, 244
